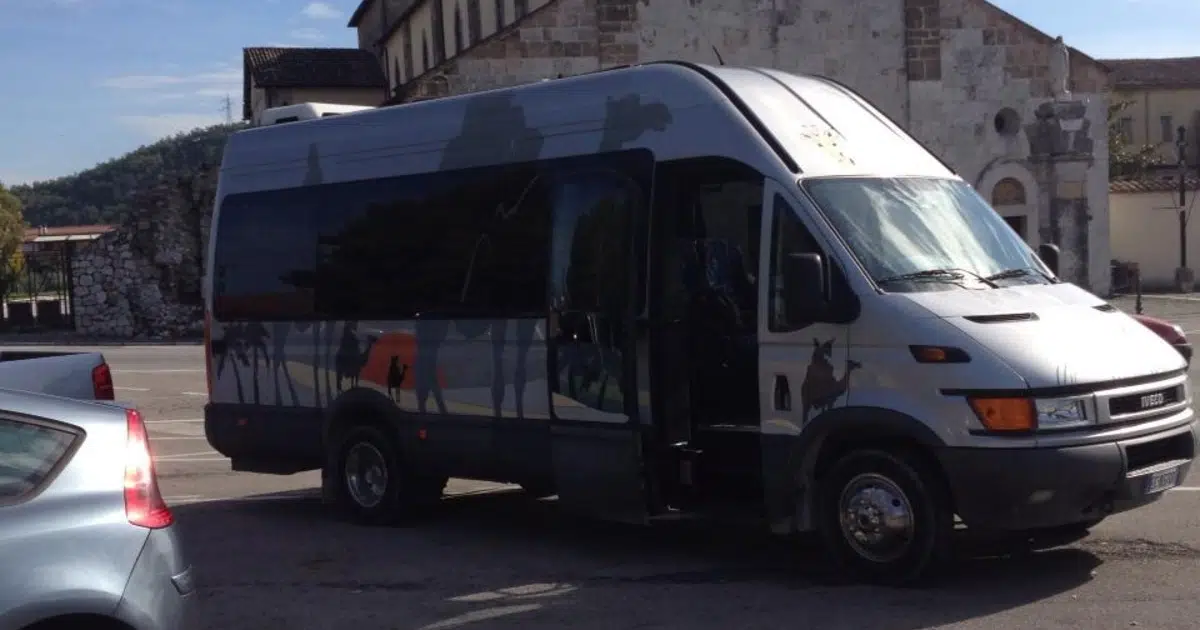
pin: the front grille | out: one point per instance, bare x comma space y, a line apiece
1144, 401
1147, 454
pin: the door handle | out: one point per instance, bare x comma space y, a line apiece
783, 394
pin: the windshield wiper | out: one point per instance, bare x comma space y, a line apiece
946, 275
1018, 272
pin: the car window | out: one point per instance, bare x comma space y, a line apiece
28, 453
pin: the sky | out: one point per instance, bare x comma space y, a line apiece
83, 81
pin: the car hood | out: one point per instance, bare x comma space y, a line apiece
1055, 335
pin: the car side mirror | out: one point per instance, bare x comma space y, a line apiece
1048, 252
804, 287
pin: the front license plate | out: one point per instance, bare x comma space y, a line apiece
1162, 480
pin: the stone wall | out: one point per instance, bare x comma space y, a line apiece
142, 280
967, 78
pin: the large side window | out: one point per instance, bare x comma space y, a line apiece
471, 244
265, 254
29, 454
592, 284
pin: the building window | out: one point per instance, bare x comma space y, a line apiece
408, 45
499, 15
522, 8
439, 32
424, 51
1168, 133
474, 22
458, 31
1008, 192
1127, 129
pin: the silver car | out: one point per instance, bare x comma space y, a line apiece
86, 540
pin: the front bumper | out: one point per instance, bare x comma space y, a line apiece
1000, 489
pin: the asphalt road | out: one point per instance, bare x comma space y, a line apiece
270, 557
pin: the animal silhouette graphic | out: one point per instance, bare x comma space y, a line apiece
279, 362
350, 359
395, 376
821, 388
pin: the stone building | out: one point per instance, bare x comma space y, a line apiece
972, 82
273, 77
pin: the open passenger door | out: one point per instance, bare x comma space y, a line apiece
596, 432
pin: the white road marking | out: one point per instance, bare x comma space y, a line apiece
205, 394
1181, 298
132, 389
1187, 488
179, 456
191, 498
181, 371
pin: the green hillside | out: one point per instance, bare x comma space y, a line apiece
104, 193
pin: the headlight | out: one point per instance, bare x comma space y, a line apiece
1055, 414
1020, 415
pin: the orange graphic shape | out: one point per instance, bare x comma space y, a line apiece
395, 344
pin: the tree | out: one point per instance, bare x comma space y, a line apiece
1125, 159
12, 234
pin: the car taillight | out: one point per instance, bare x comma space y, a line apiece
144, 503
102, 383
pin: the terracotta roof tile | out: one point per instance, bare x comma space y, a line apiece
1176, 72
66, 230
313, 67
1153, 183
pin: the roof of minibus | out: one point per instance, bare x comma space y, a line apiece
821, 127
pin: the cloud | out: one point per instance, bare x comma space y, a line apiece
321, 11
308, 34
152, 81
156, 126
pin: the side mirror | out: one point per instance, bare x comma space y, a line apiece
1048, 252
804, 287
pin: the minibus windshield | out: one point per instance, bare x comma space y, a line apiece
919, 234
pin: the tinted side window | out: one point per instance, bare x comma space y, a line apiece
790, 236
470, 243
265, 254
592, 241
28, 454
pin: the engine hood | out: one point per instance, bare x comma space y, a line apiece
1063, 339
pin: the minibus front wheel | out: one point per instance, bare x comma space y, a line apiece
886, 515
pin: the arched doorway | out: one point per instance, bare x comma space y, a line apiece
1010, 199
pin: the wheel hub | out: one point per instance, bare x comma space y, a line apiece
366, 474
876, 517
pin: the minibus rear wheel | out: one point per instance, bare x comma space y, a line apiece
886, 515
373, 486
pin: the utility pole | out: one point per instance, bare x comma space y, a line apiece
1181, 146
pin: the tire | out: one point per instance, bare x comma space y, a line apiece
902, 482
364, 454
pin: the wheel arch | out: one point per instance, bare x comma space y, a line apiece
836, 432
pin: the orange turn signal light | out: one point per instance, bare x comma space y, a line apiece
1005, 414
939, 354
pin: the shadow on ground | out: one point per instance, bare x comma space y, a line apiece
501, 560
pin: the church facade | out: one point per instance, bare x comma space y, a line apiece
1016, 113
